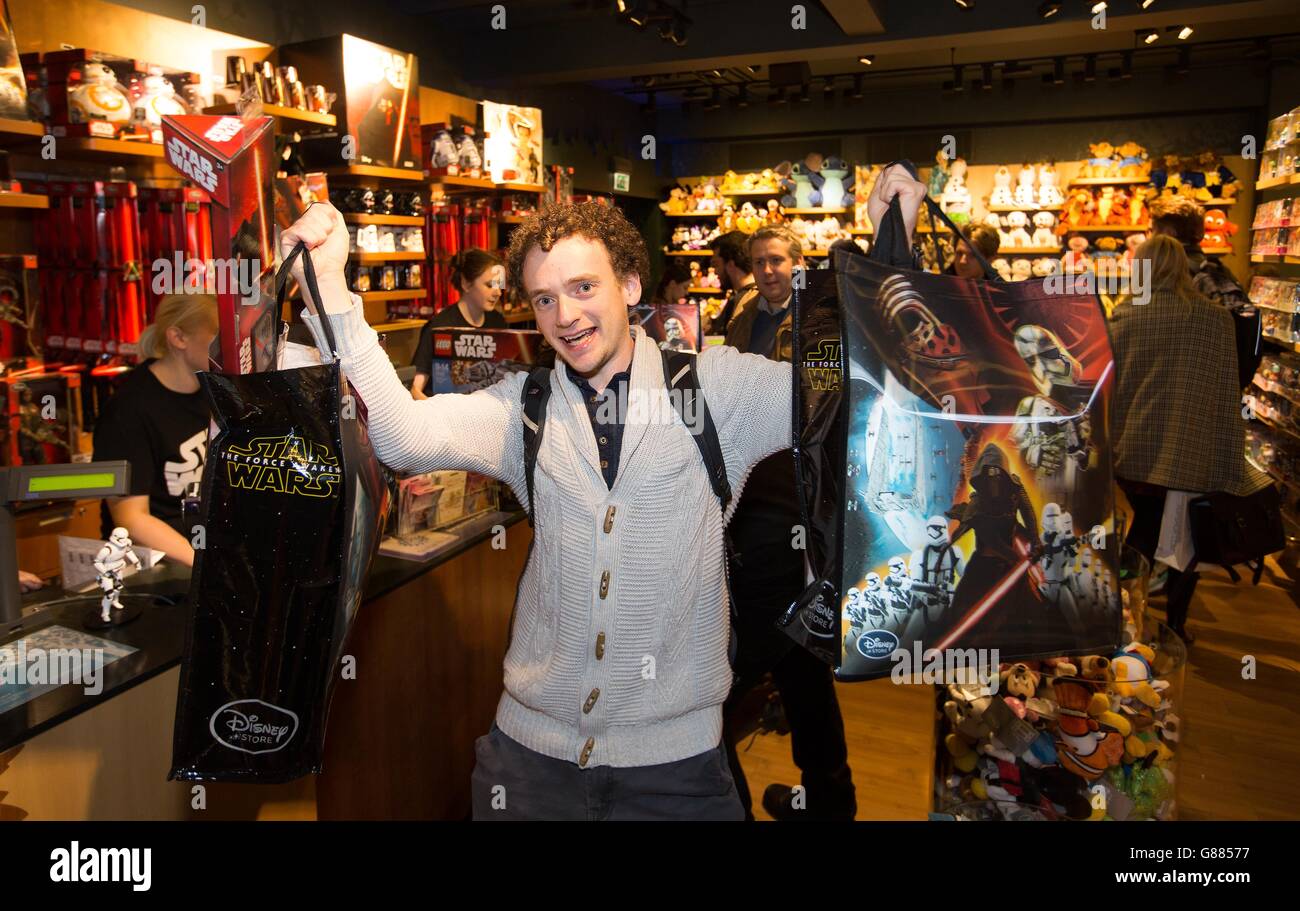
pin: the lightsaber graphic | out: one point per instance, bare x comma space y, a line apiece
995, 594
401, 112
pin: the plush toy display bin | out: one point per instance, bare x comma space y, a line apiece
1088, 737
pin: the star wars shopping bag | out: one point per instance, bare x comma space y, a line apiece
977, 506
293, 498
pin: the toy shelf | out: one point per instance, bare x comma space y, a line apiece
1005, 209
395, 295
1106, 229
1275, 258
705, 291
401, 325
1107, 181
112, 149
14, 132
1216, 251
815, 211
280, 113
690, 214
458, 182
1282, 179
705, 252
369, 259
520, 187
926, 229
374, 172
816, 252
866, 230
1029, 251
24, 201
1217, 202
360, 218
1281, 343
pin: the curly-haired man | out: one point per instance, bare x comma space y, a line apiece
616, 671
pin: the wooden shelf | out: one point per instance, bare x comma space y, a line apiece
1216, 251
1281, 180
523, 316
816, 252
359, 218
457, 182
1281, 343
926, 229
24, 201
395, 295
1024, 208
859, 230
1274, 258
398, 325
705, 291
705, 252
370, 259
374, 172
119, 149
520, 187
1216, 202
752, 192
815, 211
512, 219
280, 113
1107, 181
16, 132
1107, 229
1029, 251
711, 215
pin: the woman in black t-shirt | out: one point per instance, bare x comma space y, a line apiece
158, 421
479, 276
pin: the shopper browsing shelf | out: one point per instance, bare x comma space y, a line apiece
731, 262
617, 667
1177, 416
157, 420
479, 277
673, 284
767, 574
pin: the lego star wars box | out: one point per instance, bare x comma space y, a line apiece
232, 160
379, 100
468, 359
675, 327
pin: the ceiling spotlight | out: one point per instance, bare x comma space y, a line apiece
867, 59
754, 68
1049, 9
621, 5
965, 4
1148, 36
639, 14
1184, 33
1146, 4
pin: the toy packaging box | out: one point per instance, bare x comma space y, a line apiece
468, 359
19, 294
232, 160
175, 239
13, 82
379, 100
451, 150
40, 417
675, 327
91, 93
513, 143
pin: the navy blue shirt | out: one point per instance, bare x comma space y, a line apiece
607, 422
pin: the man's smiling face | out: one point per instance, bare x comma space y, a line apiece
581, 306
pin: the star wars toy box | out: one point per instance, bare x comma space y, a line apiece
675, 327
451, 150
468, 359
232, 160
40, 415
379, 104
91, 93
13, 84
512, 149
19, 296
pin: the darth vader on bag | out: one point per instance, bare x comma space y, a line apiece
958, 483
293, 498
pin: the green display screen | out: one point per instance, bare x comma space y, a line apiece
59, 482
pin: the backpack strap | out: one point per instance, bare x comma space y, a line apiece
682, 377
536, 394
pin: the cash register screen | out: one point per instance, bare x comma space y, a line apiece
65, 483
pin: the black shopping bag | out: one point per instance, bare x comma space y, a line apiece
957, 477
293, 498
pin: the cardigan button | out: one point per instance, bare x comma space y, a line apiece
604, 584
586, 752
609, 520
600, 646
591, 701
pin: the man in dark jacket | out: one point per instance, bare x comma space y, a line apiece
767, 574
731, 262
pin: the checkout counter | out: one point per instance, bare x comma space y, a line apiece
429, 642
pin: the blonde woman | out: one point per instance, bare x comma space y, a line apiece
157, 420
1177, 419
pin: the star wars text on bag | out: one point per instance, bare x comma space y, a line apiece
232, 159
978, 485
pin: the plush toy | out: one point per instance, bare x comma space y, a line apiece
712, 199
730, 182
1001, 197
1133, 160
1120, 208
1002, 267
767, 180
774, 214
748, 219
1021, 270
836, 194
696, 277
956, 199
1167, 178
1019, 680
1076, 258
1133, 674
963, 756
676, 204
828, 231
1131, 243
1017, 235
1102, 163
1049, 194
1138, 213
938, 175
1045, 266
728, 220
1075, 210
801, 198
1105, 202
712, 279
749, 182
1082, 748
1024, 195
1218, 230
999, 222
1044, 231
813, 163
696, 240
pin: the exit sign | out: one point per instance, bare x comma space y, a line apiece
622, 181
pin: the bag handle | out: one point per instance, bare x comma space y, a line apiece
282, 287
891, 234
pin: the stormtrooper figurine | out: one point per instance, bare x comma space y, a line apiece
1054, 445
935, 570
674, 336
109, 563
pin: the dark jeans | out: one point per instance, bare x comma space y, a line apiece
807, 689
1148, 502
512, 782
